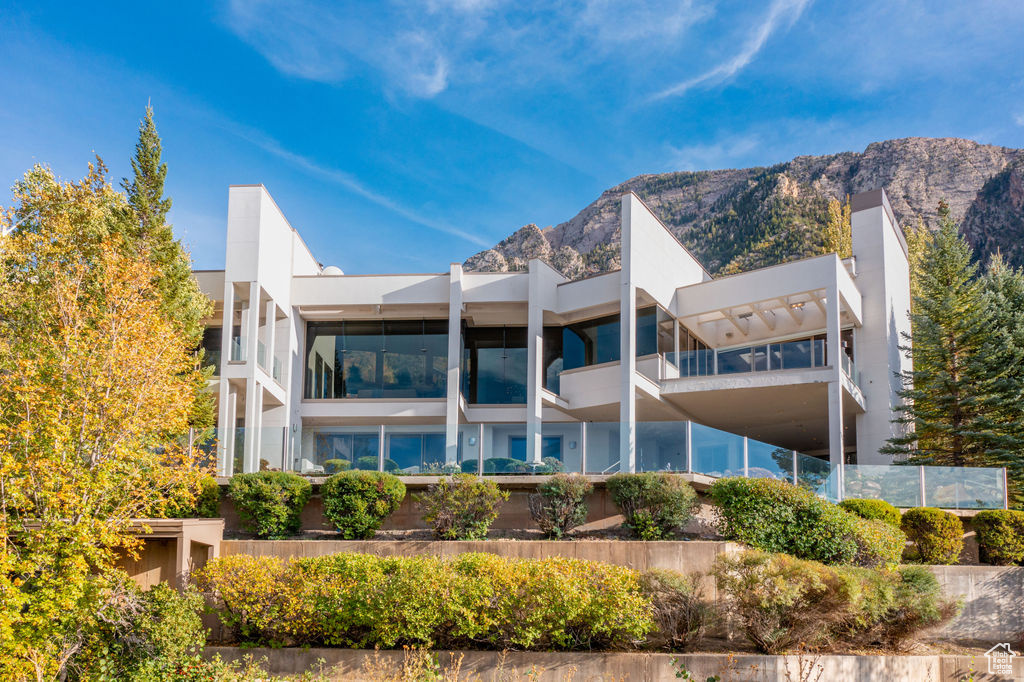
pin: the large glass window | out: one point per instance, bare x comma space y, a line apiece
495, 365
392, 359
591, 342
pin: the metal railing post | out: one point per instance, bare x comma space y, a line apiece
921, 477
689, 446
380, 448
583, 447
796, 479
480, 452
746, 458
1006, 491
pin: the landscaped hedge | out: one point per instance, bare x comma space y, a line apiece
938, 534
560, 504
776, 516
656, 506
269, 503
461, 507
205, 504
357, 502
1000, 534
365, 601
875, 510
780, 602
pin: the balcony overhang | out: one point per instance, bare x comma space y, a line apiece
785, 407
359, 411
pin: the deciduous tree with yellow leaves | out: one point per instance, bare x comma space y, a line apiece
97, 384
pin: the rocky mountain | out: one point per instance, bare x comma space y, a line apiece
739, 219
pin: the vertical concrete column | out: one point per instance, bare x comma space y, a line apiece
627, 346
225, 415
253, 392
451, 429
675, 341
835, 386
534, 366
226, 431
269, 330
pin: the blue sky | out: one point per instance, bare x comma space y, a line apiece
401, 136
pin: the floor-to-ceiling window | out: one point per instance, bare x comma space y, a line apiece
495, 365
373, 359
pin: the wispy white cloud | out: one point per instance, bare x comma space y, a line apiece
1019, 119
780, 13
720, 154
349, 182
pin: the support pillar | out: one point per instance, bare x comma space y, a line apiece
269, 330
534, 368
835, 387
226, 414
253, 392
627, 348
454, 387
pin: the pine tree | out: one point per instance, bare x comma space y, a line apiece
954, 393
150, 233
1004, 296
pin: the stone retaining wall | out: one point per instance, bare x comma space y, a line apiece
349, 664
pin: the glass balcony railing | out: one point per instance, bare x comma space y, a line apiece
802, 354
261, 354
237, 350
270, 443
594, 448
276, 369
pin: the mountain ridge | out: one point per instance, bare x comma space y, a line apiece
743, 218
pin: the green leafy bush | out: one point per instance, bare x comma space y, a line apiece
780, 602
204, 505
269, 503
874, 510
560, 504
357, 502
141, 636
655, 505
461, 507
878, 543
681, 612
366, 601
1000, 534
776, 516
938, 534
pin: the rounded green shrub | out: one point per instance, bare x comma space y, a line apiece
335, 466
776, 516
875, 510
461, 507
357, 502
879, 544
269, 503
938, 534
655, 505
1000, 534
560, 504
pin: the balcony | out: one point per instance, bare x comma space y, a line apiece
801, 354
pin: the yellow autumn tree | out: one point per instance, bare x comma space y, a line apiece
96, 387
838, 232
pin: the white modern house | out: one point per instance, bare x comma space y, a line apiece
788, 371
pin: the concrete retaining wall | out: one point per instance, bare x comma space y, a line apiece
993, 602
348, 664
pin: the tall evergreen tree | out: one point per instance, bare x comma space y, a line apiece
838, 232
150, 233
953, 395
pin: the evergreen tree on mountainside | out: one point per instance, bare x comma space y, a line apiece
150, 233
838, 229
956, 396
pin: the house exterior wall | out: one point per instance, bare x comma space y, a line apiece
273, 287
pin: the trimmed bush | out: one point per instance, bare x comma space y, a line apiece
656, 505
560, 504
336, 466
874, 510
938, 534
681, 613
269, 503
776, 516
461, 507
780, 602
1000, 534
366, 601
879, 545
357, 502
205, 504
